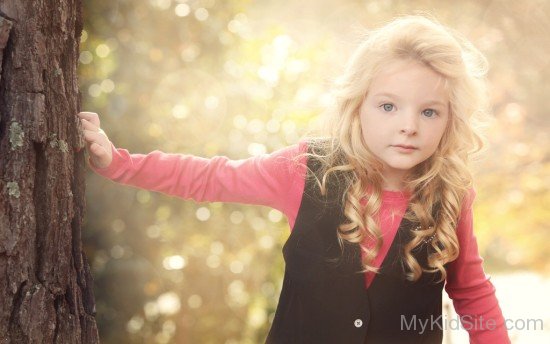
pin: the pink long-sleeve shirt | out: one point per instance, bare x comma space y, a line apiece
274, 180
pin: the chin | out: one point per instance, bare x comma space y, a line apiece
402, 166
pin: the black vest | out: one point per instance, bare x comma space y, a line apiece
324, 298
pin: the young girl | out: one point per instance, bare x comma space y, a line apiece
380, 208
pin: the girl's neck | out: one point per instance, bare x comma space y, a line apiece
393, 187
390, 190
393, 180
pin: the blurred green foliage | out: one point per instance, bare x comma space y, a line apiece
240, 78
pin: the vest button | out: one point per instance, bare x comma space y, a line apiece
358, 323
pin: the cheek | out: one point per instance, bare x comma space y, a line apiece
372, 138
366, 121
366, 128
363, 124
437, 136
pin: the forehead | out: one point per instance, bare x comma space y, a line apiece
410, 79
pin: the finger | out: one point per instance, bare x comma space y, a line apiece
89, 125
91, 117
86, 114
92, 136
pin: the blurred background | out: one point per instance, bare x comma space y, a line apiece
241, 78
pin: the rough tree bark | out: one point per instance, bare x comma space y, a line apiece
45, 281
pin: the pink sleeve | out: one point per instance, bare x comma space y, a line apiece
470, 288
272, 180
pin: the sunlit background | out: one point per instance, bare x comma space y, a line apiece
241, 78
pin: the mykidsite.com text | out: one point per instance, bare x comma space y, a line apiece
420, 325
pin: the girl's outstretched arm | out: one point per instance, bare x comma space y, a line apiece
470, 288
272, 180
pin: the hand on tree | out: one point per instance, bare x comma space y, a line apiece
97, 142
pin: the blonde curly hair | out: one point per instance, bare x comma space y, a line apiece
438, 186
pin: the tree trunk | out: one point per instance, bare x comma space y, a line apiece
45, 281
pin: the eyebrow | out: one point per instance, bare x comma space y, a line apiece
429, 102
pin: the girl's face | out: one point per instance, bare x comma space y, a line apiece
405, 106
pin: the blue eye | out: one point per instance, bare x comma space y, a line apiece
433, 111
384, 106
388, 109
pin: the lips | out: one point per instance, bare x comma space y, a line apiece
406, 146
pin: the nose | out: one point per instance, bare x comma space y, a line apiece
409, 124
